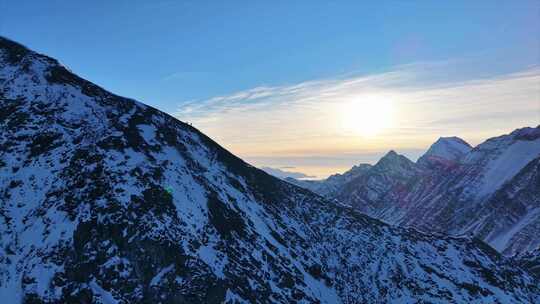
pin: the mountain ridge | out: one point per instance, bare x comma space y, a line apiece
106, 200
438, 193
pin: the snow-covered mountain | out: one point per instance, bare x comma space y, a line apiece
491, 191
106, 200
445, 151
390, 174
510, 218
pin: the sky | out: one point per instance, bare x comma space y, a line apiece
312, 87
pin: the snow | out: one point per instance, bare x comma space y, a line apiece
148, 132
213, 258
155, 280
449, 148
507, 165
502, 240
10, 289
445, 149
105, 296
231, 297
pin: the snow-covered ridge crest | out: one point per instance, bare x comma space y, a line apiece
444, 150
489, 191
501, 158
104, 199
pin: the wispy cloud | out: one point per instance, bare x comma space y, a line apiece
406, 79
184, 75
306, 119
304, 92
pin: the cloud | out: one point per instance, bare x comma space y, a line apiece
429, 100
288, 95
181, 75
408, 80
284, 174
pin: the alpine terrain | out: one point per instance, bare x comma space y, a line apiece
491, 191
106, 200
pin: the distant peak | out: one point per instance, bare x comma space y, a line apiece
393, 157
453, 139
391, 153
444, 150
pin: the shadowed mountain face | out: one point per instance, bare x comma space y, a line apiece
491, 191
530, 261
106, 200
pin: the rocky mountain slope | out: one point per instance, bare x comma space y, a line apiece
107, 200
530, 261
390, 173
491, 191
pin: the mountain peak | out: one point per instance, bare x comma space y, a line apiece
445, 150
391, 153
452, 139
393, 160
351, 173
393, 156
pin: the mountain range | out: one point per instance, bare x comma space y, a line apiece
491, 191
104, 199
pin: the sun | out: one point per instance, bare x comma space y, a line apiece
369, 115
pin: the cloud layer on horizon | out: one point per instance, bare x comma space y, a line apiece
306, 119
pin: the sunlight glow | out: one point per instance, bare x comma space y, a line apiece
368, 115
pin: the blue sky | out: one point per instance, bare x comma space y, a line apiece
170, 54
165, 52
